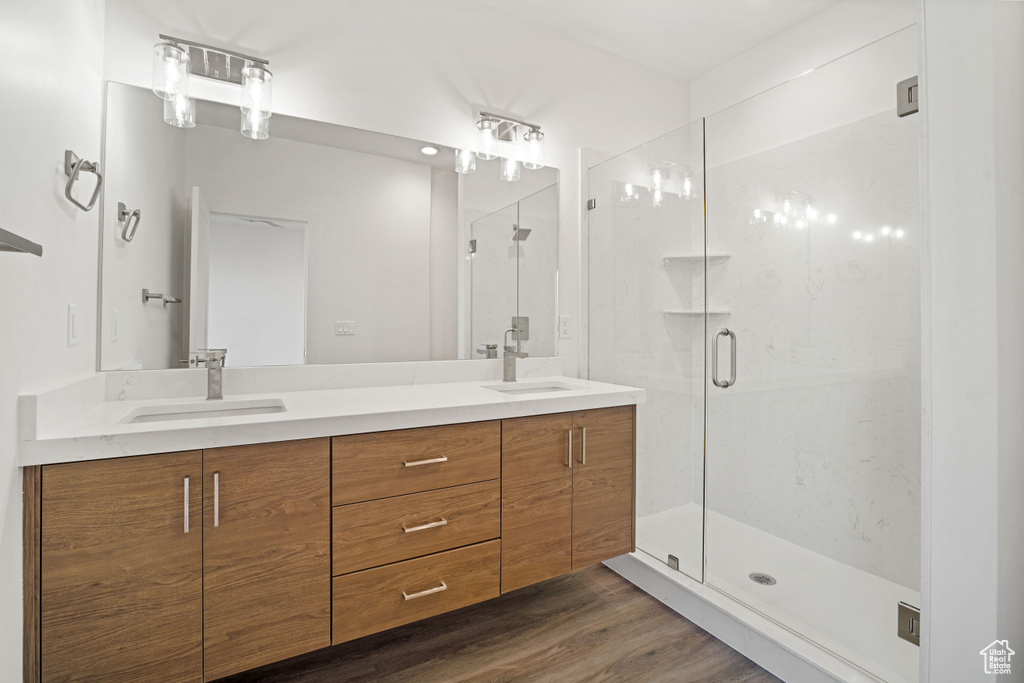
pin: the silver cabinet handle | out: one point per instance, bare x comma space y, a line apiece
568, 455
429, 591
186, 505
583, 449
724, 332
216, 499
421, 527
431, 461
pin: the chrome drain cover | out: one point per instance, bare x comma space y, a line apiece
763, 579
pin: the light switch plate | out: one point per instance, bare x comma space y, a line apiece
344, 328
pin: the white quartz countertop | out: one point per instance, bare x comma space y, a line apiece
105, 431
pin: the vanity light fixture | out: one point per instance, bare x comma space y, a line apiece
175, 59
495, 131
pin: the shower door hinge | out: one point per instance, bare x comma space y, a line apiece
909, 626
472, 246
591, 204
906, 97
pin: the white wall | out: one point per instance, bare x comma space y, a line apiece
52, 85
972, 559
839, 30
1008, 57
144, 162
422, 70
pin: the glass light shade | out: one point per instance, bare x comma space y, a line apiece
255, 126
257, 89
180, 112
534, 140
170, 71
465, 161
510, 170
487, 138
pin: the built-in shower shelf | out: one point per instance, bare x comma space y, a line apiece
694, 314
696, 258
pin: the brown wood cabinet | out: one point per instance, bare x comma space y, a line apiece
567, 492
266, 553
121, 569
194, 566
128, 593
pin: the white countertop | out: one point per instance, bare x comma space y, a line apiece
105, 431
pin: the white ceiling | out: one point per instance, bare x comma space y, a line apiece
682, 38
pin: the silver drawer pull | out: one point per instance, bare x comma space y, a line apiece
421, 527
186, 505
429, 591
431, 461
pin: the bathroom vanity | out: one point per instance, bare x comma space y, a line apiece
379, 506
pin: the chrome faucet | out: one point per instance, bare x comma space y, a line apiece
511, 353
213, 359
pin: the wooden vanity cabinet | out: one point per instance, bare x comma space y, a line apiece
131, 591
266, 553
122, 569
567, 492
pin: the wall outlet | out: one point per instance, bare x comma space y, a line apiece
73, 320
344, 328
563, 327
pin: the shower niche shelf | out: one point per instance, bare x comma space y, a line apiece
694, 314
696, 258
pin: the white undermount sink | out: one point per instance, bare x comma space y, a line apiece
199, 410
522, 388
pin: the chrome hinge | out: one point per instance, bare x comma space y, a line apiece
472, 246
909, 626
906, 97
591, 204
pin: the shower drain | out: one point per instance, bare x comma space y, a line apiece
763, 579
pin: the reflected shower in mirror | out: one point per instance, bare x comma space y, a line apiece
323, 244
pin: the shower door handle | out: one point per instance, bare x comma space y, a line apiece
724, 332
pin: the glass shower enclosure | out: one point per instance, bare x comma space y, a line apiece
758, 273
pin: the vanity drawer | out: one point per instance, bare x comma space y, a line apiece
385, 464
378, 599
392, 529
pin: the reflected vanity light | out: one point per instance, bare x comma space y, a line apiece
510, 170
831, 219
886, 230
899, 233
175, 59
465, 161
857, 234
180, 112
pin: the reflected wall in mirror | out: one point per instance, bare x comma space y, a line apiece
323, 244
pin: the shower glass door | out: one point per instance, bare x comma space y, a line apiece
813, 454
646, 328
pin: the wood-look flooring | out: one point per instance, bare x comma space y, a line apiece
591, 625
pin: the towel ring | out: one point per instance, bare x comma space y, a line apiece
73, 165
124, 216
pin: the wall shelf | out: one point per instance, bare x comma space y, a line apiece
694, 314
696, 258
11, 242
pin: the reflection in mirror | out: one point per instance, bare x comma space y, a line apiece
323, 244
513, 273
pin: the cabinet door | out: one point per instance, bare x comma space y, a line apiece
266, 553
121, 569
536, 499
602, 496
